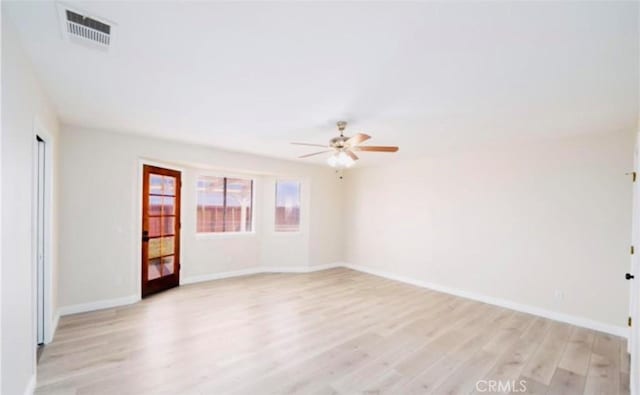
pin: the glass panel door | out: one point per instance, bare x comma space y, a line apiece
160, 230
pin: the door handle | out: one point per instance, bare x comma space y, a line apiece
629, 276
145, 235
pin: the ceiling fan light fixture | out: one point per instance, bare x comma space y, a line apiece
340, 160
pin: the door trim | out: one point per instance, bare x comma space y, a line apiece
50, 316
633, 341
137, 258
42, 219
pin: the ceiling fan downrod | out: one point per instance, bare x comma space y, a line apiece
341, 127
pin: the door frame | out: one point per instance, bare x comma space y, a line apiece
633, 341
50, 317
138, 221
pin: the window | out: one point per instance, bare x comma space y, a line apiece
225, 205
287, 206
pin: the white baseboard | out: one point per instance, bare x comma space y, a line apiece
553, 315
300, 269
258, 270
98, 305
31, 385
219, 276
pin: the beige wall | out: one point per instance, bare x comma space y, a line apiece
204, 255
518, 221
99, 247
25, 109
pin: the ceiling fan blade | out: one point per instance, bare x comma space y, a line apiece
357, 139
315, 153
310, 145
376, 148
351, 155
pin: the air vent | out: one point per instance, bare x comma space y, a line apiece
79, 27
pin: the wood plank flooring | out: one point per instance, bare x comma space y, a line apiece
331, 332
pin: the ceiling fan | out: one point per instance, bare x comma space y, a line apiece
343, 147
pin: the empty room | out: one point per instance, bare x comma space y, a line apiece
319, 197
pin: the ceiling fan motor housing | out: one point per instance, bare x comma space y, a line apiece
338, 142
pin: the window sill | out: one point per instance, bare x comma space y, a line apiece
223, 235
296, 233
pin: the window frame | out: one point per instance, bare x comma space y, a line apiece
225, 176
275, 207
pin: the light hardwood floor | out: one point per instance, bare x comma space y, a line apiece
332, 332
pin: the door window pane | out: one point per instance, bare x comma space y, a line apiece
169, 186
168, 205
155, 269
154, 248
155, 228
167, 265
155, 184
162, 185
155, 205
168, 225
167, 245
161, 246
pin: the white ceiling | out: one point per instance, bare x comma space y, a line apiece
424, 76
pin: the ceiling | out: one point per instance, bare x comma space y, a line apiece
425, 76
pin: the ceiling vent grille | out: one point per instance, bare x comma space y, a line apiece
80, 28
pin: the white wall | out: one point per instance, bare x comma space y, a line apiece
516, 221
1, 213
23, 107
1, 239
99, 213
